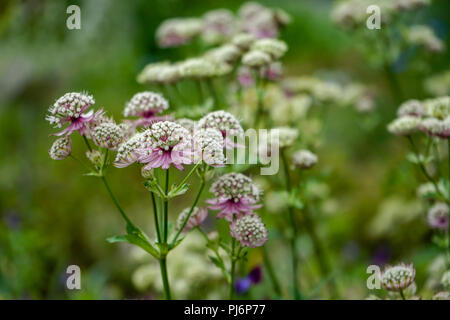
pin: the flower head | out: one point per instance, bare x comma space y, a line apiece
208, 146
177, 31
61, 148
108, 135
275, 48
256, 58
443, 295
196, 68
127, 152
165, 143
435, 127
70, 108
235, 194
243, 40
198, 215
226, 123
438, 216
227, 53
160, 72
286, 136
411, 108
219, 25
249, 230
398, 277
404, 126
445, 280
145, 104
304, 159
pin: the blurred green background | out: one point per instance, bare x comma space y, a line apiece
52, 216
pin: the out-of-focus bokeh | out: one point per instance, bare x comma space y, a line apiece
52, 217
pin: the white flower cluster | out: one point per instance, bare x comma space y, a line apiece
127, 151
256, 59
243, 40
249, 230
273, 47
224, 121
70, 105
286, 136
227, 53
431, 116
219, 25
160, 73
178, 31
108, 135
144, 104
424, 36
438, 216
235, 186
61, 148
209, 144
197, 216
304, 159
164, 135
398, 277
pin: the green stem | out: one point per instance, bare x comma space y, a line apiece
233, 267
402, 295
213, 93
293, 242
80, 162
189, 174
155, 217
421, 166
165, 278
202, 185
270, 271
166, 208
87, 143
259, 87
125, 217
199, 91
448, 156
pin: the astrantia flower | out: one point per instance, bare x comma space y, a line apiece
398, 277
95, 157
235, 194
227, 53
245, 77
198, 215
424, 36
243, 40
160, 73
61, 148
304, 159
196, 68
70, 108
249, 230
108, 135
438, 216
165, 143
435, 127
218, 26
275, 48
226, 123
208, 146
256, 58
404, 126
127, 152
177, 31
438, 107
286, 136
146, 105
272, 72
411, 108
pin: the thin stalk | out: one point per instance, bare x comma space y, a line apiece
293, 242
199, 91
233, 267
87, 143
213, 93
421, 166
166, 208
270, 271
202, 185
448, 156
165, 278
80, 162
125, 217
155, 217
402, 295
259, 87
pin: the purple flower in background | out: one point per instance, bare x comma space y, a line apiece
242, 285
146, 105
382, 255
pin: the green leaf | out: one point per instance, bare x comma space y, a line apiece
153, 186
138, 240
178, 191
